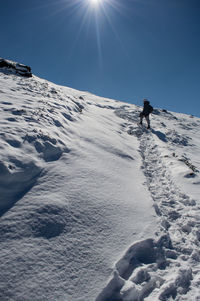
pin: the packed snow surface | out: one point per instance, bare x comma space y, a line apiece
92, 205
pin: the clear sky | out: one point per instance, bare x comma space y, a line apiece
121, 49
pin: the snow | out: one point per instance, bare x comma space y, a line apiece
93, 206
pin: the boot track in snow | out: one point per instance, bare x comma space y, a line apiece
162, 268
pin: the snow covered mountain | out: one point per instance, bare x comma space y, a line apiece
92, 206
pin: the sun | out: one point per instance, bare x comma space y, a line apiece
95, 2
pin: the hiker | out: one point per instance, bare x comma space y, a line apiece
147, 109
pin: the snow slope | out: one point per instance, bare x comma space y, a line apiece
93, 207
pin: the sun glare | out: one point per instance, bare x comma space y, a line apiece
95, 13
95, 2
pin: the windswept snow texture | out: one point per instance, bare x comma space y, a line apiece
93, 206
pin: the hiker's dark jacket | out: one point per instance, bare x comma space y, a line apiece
147, 109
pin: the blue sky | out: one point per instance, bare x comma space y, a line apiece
121, 49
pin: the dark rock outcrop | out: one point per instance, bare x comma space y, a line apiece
16, 68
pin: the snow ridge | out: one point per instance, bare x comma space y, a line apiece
80, 181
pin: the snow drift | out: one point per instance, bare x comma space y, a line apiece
92, 206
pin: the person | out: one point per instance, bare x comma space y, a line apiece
147, 109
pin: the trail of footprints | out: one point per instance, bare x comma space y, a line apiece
179, 221
166, 268
174, 207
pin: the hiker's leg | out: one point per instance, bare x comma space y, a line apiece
148, 121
